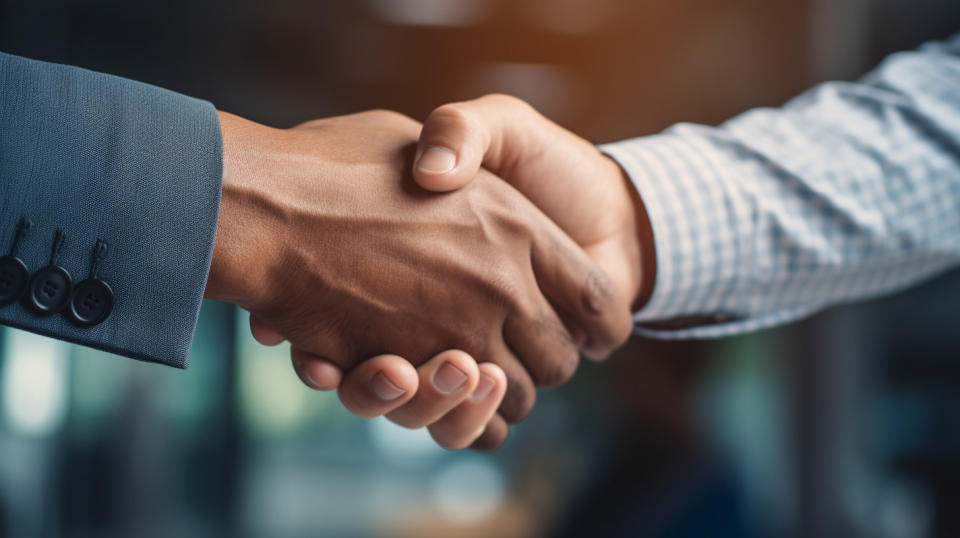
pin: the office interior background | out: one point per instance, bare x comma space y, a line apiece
847, 424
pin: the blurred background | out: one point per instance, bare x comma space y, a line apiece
847, 424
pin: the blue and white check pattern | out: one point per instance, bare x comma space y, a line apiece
848, 191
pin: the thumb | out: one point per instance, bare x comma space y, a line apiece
458, 138
555, 169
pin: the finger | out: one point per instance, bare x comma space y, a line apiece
512, 140
493, 436
315, 371
542, 343
462, 425
552, 167
580, 291
262, 331
521, 392
379, 385
451, 148
445, 380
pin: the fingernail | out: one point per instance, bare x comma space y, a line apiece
484, 386
448, 378
437, 160
385, 389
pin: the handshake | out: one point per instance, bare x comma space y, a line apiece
437, 273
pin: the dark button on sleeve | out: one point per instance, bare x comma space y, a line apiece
49, 290
91, 302
13, 279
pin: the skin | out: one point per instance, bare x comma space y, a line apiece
325, 238
586, 193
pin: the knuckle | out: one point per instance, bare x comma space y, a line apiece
559, 369
601, 350
507, 100
452, 115
598, 292
559, 354
517, 403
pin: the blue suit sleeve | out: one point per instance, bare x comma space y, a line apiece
136, 167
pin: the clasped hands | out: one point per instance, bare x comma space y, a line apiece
434, 274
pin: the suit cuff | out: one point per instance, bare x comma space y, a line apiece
129, 164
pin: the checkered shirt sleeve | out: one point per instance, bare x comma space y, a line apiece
849, 191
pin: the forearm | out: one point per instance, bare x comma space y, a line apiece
135, 166
849, 191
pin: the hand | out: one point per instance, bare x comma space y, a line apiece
323, 238
385, 385
585, 192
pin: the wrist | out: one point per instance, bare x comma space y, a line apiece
636, 244
239, 269
647, 251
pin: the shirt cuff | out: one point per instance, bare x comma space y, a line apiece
703, 235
